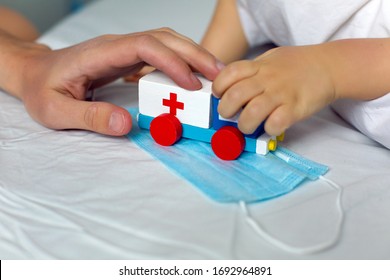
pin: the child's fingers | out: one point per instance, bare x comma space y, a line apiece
232, 74
256, 111
280, 120
237, 96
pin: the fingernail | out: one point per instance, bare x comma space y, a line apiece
117, 122
196, 81
220, 65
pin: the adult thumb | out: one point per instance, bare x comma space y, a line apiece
106, 118
100, 117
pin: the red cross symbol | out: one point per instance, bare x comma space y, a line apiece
173, 104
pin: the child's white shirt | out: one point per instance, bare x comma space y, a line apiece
304, 22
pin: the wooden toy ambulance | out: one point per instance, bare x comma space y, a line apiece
171, 112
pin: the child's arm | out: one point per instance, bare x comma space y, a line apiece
360, 68
288, 84
225, 37
17, 25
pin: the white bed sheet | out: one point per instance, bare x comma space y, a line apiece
79, 195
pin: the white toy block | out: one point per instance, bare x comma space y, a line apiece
158, 94
262, 143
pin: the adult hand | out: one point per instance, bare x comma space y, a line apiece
53, 84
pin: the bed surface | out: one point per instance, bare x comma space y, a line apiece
80, 195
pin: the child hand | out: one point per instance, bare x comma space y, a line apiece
283, 86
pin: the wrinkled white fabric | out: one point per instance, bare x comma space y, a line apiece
80, 195
302, 22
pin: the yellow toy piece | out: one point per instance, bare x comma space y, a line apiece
272, 145
280, 137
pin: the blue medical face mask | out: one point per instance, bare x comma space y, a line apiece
251, 178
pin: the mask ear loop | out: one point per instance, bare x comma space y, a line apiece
292, 249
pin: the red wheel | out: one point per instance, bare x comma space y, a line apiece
166, 129
228, 143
